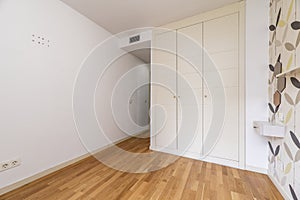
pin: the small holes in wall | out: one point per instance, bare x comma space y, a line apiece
40, 40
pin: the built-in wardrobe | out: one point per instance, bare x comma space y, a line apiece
197, 90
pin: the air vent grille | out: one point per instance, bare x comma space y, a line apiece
134, 39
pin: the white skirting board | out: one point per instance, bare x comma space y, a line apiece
59, 167
41, 174
215, 160
195, 156
257, 169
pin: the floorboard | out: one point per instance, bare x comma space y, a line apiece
184, 179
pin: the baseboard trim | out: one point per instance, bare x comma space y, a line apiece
195, 156
257, 169
223, 162
41, 174
209, 159
280, 189
147, 130
59, 167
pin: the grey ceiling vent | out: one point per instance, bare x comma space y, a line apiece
134, 39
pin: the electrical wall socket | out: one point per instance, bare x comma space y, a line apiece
10, 164
15, 162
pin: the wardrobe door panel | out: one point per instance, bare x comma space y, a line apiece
164, 114
229, 78
225, 60
227, 144
222, 42
190, 88
222, 34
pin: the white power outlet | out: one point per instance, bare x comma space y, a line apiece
4, 166
15, 162
10, 164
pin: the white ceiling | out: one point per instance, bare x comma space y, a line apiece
120, 15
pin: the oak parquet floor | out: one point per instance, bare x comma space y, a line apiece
185, 179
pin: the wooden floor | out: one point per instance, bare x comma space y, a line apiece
185, 179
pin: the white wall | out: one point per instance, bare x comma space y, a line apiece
256, 80
36, 121
128, 114
142, 97
139, 109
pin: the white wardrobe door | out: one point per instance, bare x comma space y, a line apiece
190, 88
164, 116
221, 41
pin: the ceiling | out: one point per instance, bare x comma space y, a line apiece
120, 15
